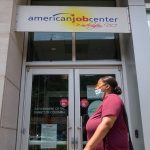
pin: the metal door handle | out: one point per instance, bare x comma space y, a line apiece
76, 143
24, 130
80, 128
72, 139
72, 143
81, 132
69, 127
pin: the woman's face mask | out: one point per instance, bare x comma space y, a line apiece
98, 90
99, 93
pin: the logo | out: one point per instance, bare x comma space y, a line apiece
77, 19
64, 102
84, 103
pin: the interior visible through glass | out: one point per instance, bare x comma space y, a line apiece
97, 46
148, 19
49, 111
60, 46
49, 46
105, 3
147, 1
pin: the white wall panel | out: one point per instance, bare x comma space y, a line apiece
141, 47
10, 106
131, 91
7, 139
136, 2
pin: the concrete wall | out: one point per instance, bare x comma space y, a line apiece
141, 46
136, 74
11, 50
135, 49
131, 92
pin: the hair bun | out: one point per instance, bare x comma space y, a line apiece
113, 84
117, 90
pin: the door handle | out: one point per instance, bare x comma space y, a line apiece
80, 127
24, 130
72, 139
72, 143
81, 138
69, 127
76, 143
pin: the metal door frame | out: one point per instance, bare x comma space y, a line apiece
74, 135
78, 72
27, 104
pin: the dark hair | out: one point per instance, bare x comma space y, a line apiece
113, 84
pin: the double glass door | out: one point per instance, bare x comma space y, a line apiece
57, 105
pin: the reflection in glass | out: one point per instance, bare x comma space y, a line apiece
54, 46
106, 3
49, 46
148, 19
48, 116
88, 100
97, 46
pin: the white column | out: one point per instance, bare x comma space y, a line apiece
136, 2
11, 47
141, 47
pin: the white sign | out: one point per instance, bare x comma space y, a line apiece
48, 136
91, 92
72, 19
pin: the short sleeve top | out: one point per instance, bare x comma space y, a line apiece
117, 137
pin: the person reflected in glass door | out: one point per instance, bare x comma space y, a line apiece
106, 128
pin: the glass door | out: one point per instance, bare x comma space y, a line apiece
48, 122
85, 99
57, 105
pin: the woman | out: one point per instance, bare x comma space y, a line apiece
106, 128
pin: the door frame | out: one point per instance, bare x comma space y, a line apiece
27, 103
76, 95
78, 72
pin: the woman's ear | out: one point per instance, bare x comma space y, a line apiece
108, 86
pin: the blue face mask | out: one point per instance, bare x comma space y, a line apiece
99, 93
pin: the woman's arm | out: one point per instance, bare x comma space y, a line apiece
101, 131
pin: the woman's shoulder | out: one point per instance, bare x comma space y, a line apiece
114, 97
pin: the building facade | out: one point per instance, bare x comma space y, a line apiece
47, 78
